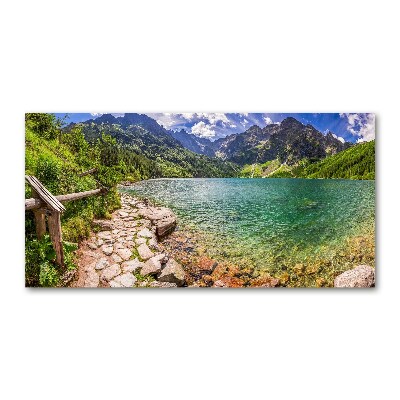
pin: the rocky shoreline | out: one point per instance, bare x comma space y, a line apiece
139, 247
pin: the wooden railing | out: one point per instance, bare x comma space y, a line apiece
44, 204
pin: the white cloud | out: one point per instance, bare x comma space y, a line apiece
361, 125
165, 119
188, 116
212, 118
268, 120
244, 122
203, 130
96, 114
336, 137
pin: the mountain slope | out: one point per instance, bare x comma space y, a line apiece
289, 142
357, 162
194, 143
145, 136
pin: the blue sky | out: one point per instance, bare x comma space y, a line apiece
352, 127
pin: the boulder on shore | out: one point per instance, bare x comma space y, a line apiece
161, 217
362, 276
153, 265
172, 273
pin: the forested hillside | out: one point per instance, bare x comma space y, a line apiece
357, 162
57, 158
142, 135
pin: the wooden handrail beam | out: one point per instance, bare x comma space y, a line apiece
45, 203
31, 204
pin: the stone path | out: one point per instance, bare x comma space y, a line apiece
125, 252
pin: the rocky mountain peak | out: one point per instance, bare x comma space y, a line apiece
291, 122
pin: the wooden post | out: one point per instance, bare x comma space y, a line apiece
40, 217
44, 203
54, 220
40, 222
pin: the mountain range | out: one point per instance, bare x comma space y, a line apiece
289, 141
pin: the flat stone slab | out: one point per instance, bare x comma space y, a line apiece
111, 272
102, 224
163, 284
102, 263
132, 265
144, 252
104, 234
145, 233
107, 249
124, 253
92, 279
118, 245
92, 246
116, 258
124, 280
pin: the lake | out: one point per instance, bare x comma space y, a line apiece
261, 221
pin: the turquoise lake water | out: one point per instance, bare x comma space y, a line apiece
253, 218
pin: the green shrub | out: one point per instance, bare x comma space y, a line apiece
76, 229
40, 267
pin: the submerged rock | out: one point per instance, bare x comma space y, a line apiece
362, 276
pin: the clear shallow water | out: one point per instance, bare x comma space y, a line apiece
256, 218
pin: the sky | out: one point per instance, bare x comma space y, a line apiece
350, 127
